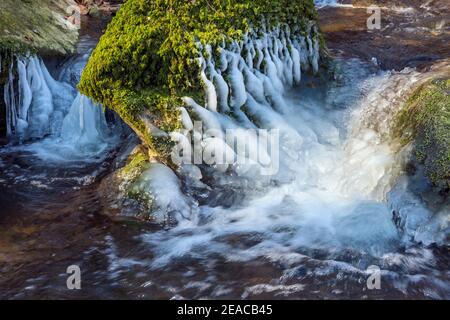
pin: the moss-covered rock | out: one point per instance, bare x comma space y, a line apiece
34, 27
425, 121
37, 26
146, 60
117, 190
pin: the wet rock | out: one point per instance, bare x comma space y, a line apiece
424, 121
41, 26
412, 34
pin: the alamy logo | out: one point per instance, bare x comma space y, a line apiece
374, 280
374, 21
74, 280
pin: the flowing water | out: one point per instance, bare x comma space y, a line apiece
312, 230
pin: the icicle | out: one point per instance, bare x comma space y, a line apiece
209, 119
288, 65
272, 73
315, 58
300, 45
221, 87
254, 85
85, 124
210, 89
25, 94
313, 49
186, 119
277, 61
10, 102
222, 90
296, 64
259, 45
250, 52
238, 93
42, 102
223, 60
43, 107
259, 69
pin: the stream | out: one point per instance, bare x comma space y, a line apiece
314, 230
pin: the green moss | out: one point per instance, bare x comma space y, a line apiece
36, 26
153, 43
128, 176
425, 120
146, 59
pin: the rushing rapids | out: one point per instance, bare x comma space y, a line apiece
337, 204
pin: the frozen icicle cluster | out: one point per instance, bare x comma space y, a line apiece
64, 124
85, 123
244, 84
262, 65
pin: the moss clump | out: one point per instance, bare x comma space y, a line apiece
425, 120
146, 58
